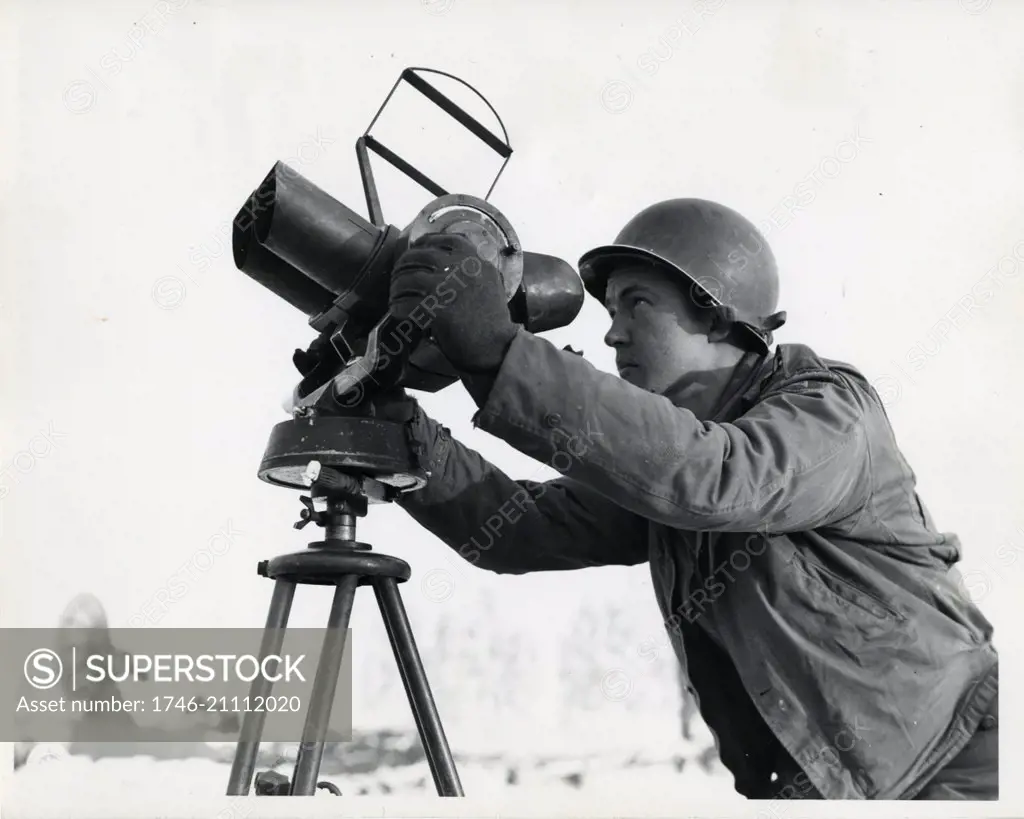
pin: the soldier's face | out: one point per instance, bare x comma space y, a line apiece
657, 334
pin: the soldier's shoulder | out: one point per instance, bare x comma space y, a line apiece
795, 364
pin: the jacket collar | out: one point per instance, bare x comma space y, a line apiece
744, 387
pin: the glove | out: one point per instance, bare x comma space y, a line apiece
394, 405
442, 283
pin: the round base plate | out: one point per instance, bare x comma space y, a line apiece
366, 447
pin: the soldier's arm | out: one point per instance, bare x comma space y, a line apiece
798, 460
514, 527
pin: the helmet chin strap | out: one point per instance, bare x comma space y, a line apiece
724, 320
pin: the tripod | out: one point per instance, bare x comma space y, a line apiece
343, 562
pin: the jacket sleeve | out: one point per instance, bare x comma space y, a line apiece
797, 460
514, 527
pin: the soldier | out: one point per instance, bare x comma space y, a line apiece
808, 596
84, 625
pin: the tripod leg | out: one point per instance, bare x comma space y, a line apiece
318, 714
252, 723
435, 744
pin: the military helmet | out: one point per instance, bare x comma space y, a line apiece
722, 258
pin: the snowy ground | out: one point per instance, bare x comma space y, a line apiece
679, 778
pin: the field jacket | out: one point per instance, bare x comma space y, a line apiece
796, 569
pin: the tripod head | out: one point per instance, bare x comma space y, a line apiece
346, 463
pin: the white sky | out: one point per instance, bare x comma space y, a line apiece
126, 153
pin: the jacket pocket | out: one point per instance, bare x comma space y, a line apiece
846, 595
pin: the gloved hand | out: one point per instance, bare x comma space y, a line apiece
393, 405
442, 282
